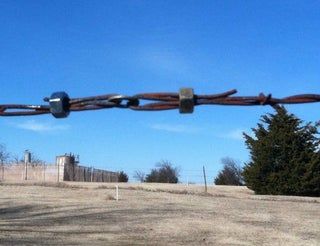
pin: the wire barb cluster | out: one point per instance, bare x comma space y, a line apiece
152, 102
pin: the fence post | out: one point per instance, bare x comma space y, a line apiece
205, 180
25, 170
27, 159
58, 165
91, 175
117, 192
2, 171
44, 172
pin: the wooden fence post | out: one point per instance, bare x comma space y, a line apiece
205, 180
91, 176
26, 170
44, 172
2, 171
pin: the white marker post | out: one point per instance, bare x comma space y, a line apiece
117, 192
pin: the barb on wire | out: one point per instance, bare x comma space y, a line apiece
60, 104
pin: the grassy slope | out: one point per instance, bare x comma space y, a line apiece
153, 214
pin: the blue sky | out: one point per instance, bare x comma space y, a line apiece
98, 47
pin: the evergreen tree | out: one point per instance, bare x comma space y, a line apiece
285, 156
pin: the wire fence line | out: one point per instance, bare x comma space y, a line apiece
185, 175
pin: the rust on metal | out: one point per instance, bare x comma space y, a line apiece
185, 101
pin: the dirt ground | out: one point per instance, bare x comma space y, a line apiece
153, 214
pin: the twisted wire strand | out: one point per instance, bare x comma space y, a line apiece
156, 102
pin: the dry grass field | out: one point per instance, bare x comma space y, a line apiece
153, 214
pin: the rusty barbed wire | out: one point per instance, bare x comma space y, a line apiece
60, 104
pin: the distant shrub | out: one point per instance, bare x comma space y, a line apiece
164, 173
123, 177
231, 174
110, 197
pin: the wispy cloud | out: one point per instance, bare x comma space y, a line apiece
32, 125
163, 61
235, 134
174, 128
166, 61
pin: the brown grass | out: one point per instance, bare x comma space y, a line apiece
153, 214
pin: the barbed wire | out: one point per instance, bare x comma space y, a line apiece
60, 105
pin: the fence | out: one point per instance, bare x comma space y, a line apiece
21, 171
74, 172
55, 173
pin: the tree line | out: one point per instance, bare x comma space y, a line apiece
8, 158
284, 159
164, 172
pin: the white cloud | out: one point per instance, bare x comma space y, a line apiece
163, 61
236, 134
35, 126
174, 128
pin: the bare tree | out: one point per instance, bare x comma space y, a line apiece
16, 159
4, 155
231, 174
36, 161
140, 176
